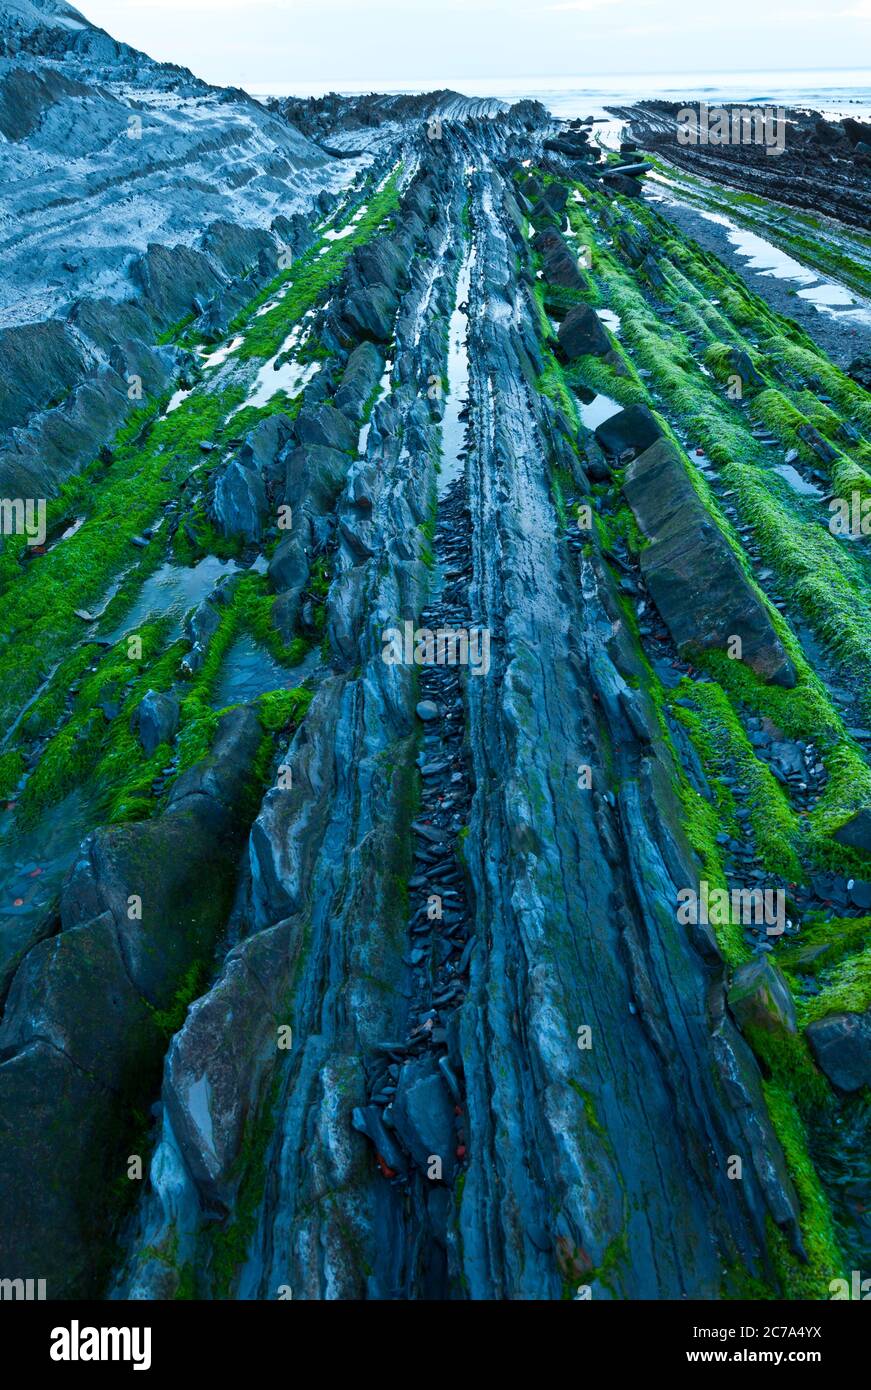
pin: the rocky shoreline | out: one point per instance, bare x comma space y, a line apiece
824, 166
337, 969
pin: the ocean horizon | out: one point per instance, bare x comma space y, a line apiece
829, 90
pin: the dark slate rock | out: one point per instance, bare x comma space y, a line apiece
423, 1115
37, 361
263, 446
236, 249
841, 1044
555, 195
156, 720
326, 426
860, 370
208, 1088
359, 379
633, 428
581, 333
691, 571
558, 261
367, 1119
315, 472
633, 242
741, 364
79, 1042
172, 278
289, 566
381, 263
856, 832
620, 183
368, 313
240, 505
815, 441
759, 997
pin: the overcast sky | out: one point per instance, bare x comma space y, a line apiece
258, 43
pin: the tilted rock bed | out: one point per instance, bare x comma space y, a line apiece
415, 1114
288, 1035
842, 148
797, 767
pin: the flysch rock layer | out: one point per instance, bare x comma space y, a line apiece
539, 1088
570, 1157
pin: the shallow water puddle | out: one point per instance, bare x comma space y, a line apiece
828, 296
337, 234
593, 413
214, 359
833, 295
291, 377
609, 133
171, 591
453, 428
796, 481
65, 535
760, 254
176, 399
277, 375
838, 302
272, 303
248, 670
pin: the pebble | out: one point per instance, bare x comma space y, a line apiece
434, 769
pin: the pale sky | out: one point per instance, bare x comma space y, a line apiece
278, 43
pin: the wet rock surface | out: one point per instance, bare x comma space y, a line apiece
380, 970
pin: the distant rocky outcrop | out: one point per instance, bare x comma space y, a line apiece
810, 143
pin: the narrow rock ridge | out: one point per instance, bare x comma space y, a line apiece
573, 893
554, 1163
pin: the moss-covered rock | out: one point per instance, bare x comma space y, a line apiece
760, 997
